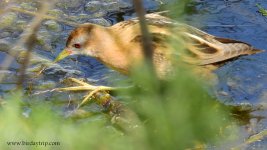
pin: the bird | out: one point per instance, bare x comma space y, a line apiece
120, 46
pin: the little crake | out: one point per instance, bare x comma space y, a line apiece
120, 48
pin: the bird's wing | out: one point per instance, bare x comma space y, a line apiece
208, 49
203, 48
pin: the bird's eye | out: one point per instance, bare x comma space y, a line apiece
77, 45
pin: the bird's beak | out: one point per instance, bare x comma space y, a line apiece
65, 53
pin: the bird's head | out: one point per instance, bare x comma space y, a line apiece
79, 42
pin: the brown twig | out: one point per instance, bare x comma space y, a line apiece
146, 38
30, 40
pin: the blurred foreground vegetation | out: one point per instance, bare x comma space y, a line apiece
177, 114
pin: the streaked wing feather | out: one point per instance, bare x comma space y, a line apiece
209, 49
202, 48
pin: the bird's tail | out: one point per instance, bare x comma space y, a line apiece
256, 51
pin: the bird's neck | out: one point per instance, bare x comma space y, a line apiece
111, 50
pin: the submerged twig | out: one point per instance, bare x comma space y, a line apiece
93, 90
84, 87
252, 139
88, 96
